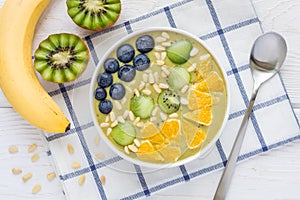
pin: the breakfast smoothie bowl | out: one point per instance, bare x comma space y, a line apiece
159, 98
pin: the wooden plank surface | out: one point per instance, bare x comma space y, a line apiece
262, 177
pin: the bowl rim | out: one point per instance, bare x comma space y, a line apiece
201, 154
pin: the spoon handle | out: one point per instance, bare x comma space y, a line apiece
229, 169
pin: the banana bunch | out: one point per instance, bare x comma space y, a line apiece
18, 80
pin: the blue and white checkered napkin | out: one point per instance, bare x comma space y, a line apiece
230, 28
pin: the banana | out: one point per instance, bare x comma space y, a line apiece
18, 80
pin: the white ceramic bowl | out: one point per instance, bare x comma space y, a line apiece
203, 152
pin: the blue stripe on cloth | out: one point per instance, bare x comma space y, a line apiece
82, 141
128, 27
259, 106
221, 152
142, 180
184, 173
231, 116
170, 17
92, 49
71, 131
237, 70
237, 76
206, 170
70, 87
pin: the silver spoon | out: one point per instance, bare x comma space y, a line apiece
267, 55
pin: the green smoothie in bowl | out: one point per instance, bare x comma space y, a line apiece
159, 97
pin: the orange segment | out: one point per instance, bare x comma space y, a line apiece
170, 153
214, 82
170, 128
194, 135
202, 86
205, 65
198, 100
146, 147
202, 116
149, 130
147, 152
157, 139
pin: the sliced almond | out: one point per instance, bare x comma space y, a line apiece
26, 177
146, 92
36, 189
112, 116
35, 157
16, 171
156, 88
103, 180
108, 131
70, 148
13, 149
97, 139
125, 114
51, 176
32, 148
165, 35
81, 179
133, 148
194, 51
75, 165
126, 150
159, 48
137, 142
100, 156
115, 123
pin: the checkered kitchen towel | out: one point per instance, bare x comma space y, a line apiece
230, 28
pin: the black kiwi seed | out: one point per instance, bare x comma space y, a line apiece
61, 57
94, 14
168, 101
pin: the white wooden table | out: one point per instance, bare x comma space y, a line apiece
273, 175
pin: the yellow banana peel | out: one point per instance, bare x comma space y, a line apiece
18, 80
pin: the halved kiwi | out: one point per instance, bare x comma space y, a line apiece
94, 14
61, 57
168, 101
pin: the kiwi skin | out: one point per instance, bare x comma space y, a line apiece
100, 25
56, 43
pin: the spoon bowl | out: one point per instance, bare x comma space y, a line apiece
267, 56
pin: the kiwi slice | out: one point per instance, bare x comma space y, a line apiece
168, 101
179, 51
179, 77
142, 106
61, 57
124, 133
94, 14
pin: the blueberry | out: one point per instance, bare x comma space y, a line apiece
141, 62
126, 73
117, 91
105, 106
111, 65
105, 79
100, 94
125, 53
144, 43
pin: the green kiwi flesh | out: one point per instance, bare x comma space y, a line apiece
61, 58
124, 133
94, 14
141, 106
179, 77
168, 101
